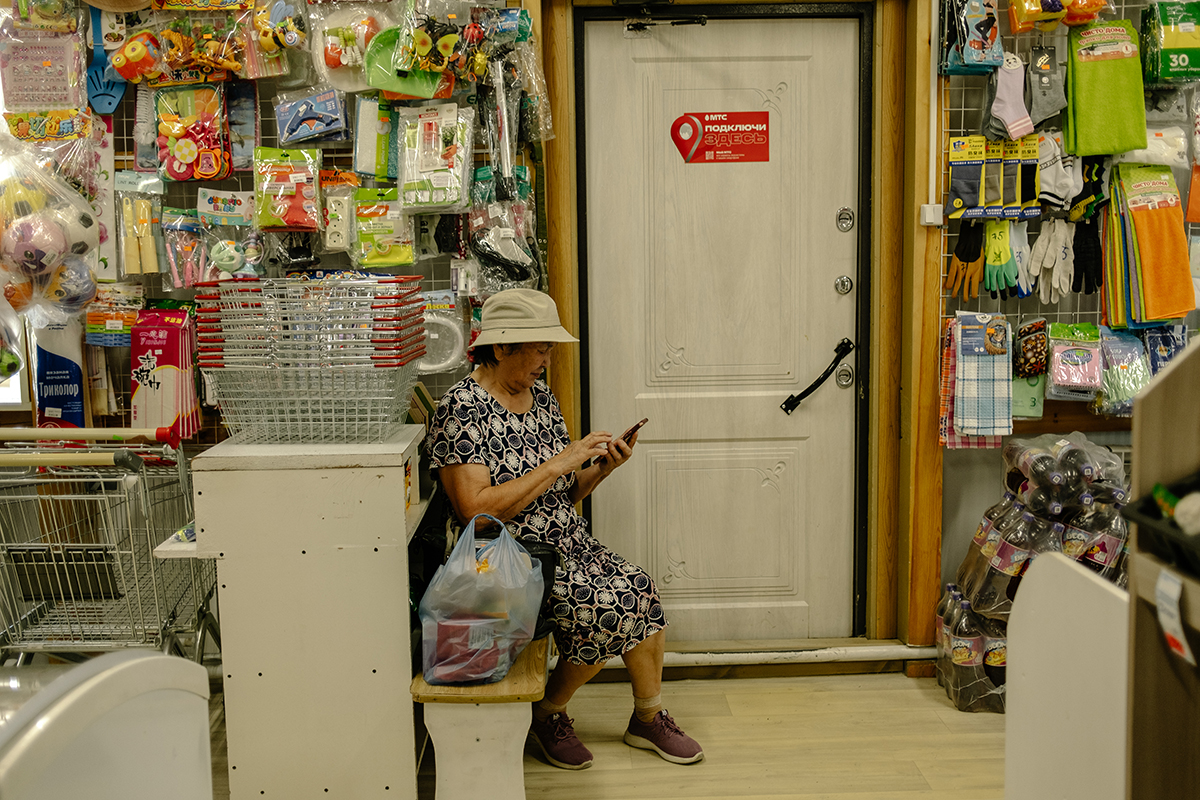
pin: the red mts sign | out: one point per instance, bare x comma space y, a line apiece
716, 137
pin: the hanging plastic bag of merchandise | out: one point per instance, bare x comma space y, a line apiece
437, 162
506, 259
445, 334
480, 609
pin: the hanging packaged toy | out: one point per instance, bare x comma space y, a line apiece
341, 36
384, 233
138, 59
193, 133
56, 16
234, 247
310, 113
1075, 362
201, 47
11, 360
41, 71
280, 24
437, 157
287, 197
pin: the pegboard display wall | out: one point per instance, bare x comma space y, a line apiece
962, 112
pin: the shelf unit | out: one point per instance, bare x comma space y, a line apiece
1163, 758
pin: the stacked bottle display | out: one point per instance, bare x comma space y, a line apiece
1063, 494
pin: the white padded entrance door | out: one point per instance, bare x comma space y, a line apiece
710, 298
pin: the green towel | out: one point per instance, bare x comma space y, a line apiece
1105, 111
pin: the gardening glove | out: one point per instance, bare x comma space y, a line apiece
999, 264
966, 266
1088, 269
1019, 238
1044, 255
1064, 265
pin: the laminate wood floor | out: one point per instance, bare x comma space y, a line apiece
843, 737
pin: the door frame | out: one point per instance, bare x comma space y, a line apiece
854, 11
904, 566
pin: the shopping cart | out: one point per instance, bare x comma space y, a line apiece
312, 360
79, 524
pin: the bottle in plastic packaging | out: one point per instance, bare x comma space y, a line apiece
1108, 492
966, 660
995, 662
949, 621
939, 620
1104, 550
1041, 500
1037, 464
1074, 460
974, 568
991, 597
990, 518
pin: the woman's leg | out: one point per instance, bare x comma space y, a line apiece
644, 663
566, 679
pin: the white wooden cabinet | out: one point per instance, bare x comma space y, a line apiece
312, 574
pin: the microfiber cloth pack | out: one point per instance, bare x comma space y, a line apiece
1105, 111
983, 375
1160, 281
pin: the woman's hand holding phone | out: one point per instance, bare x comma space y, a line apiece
616, 457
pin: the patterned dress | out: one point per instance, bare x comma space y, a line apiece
603, 605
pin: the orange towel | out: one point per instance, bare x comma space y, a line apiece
1166, 280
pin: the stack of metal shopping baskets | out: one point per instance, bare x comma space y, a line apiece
330, 359
79, 527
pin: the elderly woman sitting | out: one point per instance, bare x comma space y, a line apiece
500, 446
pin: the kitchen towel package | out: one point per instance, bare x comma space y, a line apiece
983, 375
1171, 42
1105, 111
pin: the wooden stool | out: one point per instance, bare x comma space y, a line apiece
479, 732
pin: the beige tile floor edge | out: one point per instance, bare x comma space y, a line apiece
843, 737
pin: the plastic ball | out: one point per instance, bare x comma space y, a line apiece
34, 244
333, 54
84, 232
19, 294
72, 286
19, 198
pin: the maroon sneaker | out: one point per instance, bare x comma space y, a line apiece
559, 743
664, 737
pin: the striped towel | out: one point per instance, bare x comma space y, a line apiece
983, 375
947, 435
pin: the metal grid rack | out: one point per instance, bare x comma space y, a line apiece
77, 554
962, 106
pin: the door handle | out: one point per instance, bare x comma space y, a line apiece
843, 349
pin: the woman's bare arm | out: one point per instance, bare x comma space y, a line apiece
469, 486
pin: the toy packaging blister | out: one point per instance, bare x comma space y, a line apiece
310, 113
41, 71
272, 24
193, 133
202, 47
287, 196
139, 58
138, 215
437, 164
384, 234
55, 16
341, 35
234, 247
1075, 361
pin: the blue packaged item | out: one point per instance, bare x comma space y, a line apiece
310, 113
1162, 343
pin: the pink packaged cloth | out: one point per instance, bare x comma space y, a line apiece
1075, 365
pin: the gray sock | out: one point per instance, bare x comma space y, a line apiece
1045, 85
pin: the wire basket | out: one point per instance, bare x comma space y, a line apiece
329, 360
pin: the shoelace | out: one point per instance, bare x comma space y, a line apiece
560, 726
669, 724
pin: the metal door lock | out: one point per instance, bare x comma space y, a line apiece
843, 285
845, 219
844, 375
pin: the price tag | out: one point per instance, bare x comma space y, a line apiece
1167, 592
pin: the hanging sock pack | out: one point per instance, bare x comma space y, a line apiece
1045, 83
1106, 110
1009, 106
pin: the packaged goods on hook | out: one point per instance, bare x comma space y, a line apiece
384, 234
42, 71
340, 38
202, 47
138, 213
971, 39
55, 16
287, 195
437, 165
1126, 372
193, 133
138, 59
310, 113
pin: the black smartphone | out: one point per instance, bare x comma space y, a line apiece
627, 435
